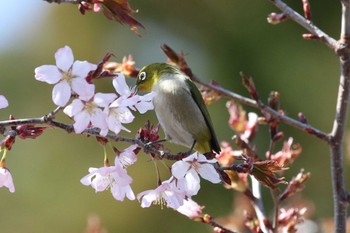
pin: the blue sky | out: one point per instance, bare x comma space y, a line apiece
17, 18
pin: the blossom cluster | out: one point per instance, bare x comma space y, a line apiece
106, 111
5, 175
109, 112
175, 193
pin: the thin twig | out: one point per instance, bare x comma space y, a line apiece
307, 24
48, 121
208, 219
250, 102
180, 61
337, 135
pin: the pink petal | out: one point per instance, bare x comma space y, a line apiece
143, 107
190, 184
81, 69
114, 125
61, 93
191, 158
148, 199
121, 86
48, 73
148, 97
64, 58
86, 180
129, 193
6, 179
104, 132
97, 7
75, 107
122, 115
82, 120
99, 119
127, 102
202, 159
179, 169
125, 115
85, 90
190, 208
208, 172
104, 99
3, 102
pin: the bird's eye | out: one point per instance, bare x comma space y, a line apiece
142, 76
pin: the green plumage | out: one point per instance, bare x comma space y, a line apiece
179, 107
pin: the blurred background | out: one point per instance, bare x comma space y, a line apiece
221, 38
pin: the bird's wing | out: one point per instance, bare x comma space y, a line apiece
197, 96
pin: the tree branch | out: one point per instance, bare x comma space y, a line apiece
337, 135
47, 120
250, 102
180, 61
208, 219
307, 24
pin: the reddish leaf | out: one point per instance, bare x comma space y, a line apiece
178, 59
150, 134
295, 185
120, 11
29, 131
100, 71
264, 171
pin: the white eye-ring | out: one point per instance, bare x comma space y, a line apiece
142, 76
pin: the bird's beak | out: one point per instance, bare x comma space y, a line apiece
135, 89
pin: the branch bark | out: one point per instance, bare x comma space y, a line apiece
250, 102
47, 121
180, 61
305, 23
337, 135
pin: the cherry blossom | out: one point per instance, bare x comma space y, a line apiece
97, 7
144, 103
250, 126
113, 177
118, 112
190, 209
128, 157
67, 75
127, 67
165, 194
187, 170
6, 179
86, 112
238, 121
129, 99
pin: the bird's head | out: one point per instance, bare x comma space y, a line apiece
150, 74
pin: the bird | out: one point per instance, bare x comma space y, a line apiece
179, 107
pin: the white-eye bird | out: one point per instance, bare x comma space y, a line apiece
179, 107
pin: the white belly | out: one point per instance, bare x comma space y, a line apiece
177, 112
